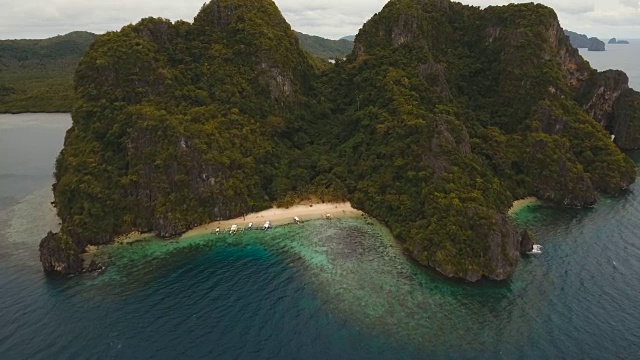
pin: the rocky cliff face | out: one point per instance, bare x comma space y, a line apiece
527, 133
59, 255
607, 98
574, 67
625, 124
504, 245
600, 93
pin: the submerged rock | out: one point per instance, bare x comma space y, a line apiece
58, 254
94, 266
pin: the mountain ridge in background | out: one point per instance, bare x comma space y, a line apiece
36, 75
325, 48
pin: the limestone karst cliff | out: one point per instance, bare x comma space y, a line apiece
607, 97
441, 116
478, 104
176, 124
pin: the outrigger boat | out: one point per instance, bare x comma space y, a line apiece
537, 250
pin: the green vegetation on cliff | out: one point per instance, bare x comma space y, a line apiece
448, 113
37, 75
441, 116
183, 123
325, 48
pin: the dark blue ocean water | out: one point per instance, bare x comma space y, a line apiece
338, 289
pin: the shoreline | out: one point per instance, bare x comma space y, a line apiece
522, 204
278, 217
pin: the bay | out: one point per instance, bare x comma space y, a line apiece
326, 289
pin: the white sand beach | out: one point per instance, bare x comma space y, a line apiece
521, 204
280, 216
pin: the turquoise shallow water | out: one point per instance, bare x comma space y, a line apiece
325, 289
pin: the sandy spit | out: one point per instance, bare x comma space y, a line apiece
280, 216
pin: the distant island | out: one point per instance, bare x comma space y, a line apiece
325, 48
581, 41
441, 116
596, 45
37, 75
616, 41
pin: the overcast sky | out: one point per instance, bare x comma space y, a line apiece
327, 18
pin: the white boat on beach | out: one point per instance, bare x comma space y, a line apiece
266, 225
537, 250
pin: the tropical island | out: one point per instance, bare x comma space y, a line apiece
37, 75
581, 41
616, 41
441, 116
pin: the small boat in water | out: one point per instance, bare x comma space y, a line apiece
234, 229
266, 225
537, 250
